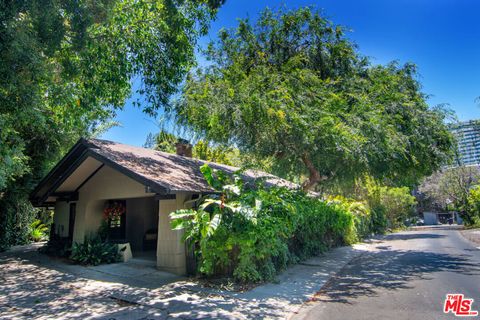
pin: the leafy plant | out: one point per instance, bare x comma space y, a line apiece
38, 231
16, 215
361, 212
293, 88
94, 251
390, 206
252, 232
471, 215
57, 247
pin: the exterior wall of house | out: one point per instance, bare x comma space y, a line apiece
170, 247
61, 218
106, 184
143, 213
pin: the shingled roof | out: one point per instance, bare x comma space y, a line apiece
163, 172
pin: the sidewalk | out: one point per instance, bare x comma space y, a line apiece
472, 235
187, 300
35, 286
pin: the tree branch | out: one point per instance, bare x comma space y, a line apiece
315, 177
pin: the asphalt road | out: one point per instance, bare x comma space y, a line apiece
407, 276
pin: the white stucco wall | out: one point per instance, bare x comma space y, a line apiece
170, 247
143, 213
106, 184
61, 218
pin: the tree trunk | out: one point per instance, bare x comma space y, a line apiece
314, 175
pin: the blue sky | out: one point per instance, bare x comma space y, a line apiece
441, 36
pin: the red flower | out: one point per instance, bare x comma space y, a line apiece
114, 211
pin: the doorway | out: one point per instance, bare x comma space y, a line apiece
116, 212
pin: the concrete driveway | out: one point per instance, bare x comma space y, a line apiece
33, 286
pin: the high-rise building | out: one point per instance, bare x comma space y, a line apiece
468, 139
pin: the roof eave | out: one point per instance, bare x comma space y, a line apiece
74, 157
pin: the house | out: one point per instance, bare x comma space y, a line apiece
98, 177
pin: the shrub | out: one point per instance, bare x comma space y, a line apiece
94, 251
57, 247
252, 233
322, 225
379, 222
361, 212
389, 206
471, 216
16, 215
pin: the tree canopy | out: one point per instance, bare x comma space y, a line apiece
292, 87
66, 66
201, 149
448, 189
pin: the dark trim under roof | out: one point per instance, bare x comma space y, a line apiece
163, 173
71, 161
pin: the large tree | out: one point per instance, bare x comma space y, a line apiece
292, 87
66, 66
448, 189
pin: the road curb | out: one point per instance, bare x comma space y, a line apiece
310, 302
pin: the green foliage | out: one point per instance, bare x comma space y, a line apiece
57, 247
253, 233
364, 222
449, 189
293, 89
322, 225
67, 66
94, 251
11, 153
165, 141
471, 216
15, 219
399, 204
220, 154
390, 206
38, 231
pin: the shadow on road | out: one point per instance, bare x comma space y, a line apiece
412, 236
392, 270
